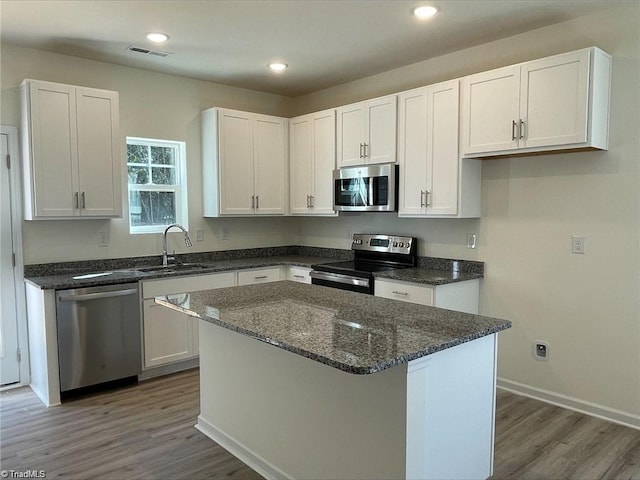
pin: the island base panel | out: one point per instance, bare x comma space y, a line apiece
296, 417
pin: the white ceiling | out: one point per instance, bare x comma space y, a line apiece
325, 42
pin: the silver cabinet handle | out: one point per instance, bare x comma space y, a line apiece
311, 201
513, 129
308, 201
257, 202
253, 202
399, 293
84, 203
422, 204
521, 129
426, 196
362, 150
366, 151
261, 277
77, 202
299, 276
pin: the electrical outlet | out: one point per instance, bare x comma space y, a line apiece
349, 233
103, 239
224, 235
578, 244
540, 350
199, 235
471, 240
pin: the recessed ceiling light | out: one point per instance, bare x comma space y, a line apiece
425, 11
157, 37
278, 66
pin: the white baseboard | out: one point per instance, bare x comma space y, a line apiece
240, 451
595, 410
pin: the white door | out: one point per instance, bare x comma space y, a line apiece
9, 366
380, 121
442, 148
324, 162
554, 99
491, 111
98, 152
54, 149
236, 163
412, 152
300, 156
269, 164
351, 135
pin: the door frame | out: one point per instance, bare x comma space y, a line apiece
16, 227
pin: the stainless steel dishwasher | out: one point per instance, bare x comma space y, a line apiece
98, 335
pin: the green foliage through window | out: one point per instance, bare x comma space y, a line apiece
155, 185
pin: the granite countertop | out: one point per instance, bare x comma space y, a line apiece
428, 276
93, 273
67, 279
353, 332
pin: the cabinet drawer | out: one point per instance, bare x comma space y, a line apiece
191, 283
262, 275
299, 274
404, 292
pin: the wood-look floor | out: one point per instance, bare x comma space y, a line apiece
146, 431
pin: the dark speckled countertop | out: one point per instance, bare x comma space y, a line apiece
353, 332
92, 273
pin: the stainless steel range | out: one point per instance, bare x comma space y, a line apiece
372, 253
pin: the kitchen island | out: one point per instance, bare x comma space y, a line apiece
303, 381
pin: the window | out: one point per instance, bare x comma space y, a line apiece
157, 184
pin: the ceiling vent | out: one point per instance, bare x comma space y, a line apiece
146, 51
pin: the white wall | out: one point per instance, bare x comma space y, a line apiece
585, 306
152, 105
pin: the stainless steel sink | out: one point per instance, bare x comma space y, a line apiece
173, 268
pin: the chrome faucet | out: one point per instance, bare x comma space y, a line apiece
187, 242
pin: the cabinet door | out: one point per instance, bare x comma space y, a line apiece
269, 165
442, 148
381, 122
554, 100
98, 152
350, 129
54, 156
405, 292
412, 152
491, 110
301, 163
260, 275
168, 335
324, 162
299, 274
236, 162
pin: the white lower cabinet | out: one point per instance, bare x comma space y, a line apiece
259, 275
460, 296
299, 274
171, 336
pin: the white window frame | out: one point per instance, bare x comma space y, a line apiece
179, 189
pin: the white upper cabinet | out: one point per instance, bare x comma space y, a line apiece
312, 157
433, 178
71, 151
366, 132
555, 103
244, 157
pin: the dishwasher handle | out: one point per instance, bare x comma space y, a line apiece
94, 296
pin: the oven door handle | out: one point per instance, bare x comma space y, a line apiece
339, 278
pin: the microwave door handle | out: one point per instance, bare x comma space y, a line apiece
371, 190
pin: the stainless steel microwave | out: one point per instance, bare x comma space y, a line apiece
371, 188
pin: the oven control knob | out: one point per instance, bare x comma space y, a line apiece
395, 244
401, 245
